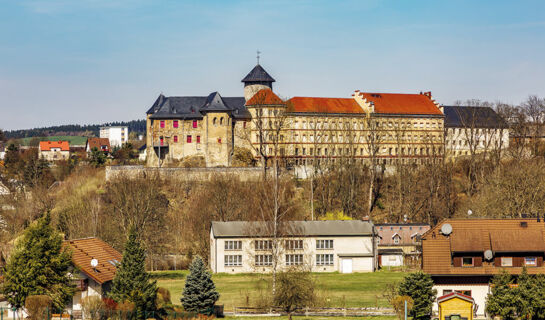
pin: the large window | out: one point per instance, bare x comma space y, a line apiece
294, 244
324, 244
530, 261
263, 260
324, 259
233, 260
263, 244
233, 245
506, 261
467, 262
294, 259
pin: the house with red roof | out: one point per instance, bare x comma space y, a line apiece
55, 150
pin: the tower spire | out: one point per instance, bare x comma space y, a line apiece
258, 53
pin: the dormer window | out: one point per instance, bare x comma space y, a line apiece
467, 262
530, 261
506, 261
396, 239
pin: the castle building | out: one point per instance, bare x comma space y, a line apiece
384, 128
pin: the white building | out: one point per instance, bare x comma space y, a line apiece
117, 135
318, 246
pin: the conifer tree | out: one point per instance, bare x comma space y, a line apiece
39, 266
131, 282
502, 301
419, 286
199, 293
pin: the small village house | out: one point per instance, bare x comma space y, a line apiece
400, 243
55, 150
101, 144
96, 262
462, 255
318, 246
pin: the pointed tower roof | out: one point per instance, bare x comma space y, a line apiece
258, 74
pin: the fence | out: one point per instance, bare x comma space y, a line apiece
324, 312
14, 314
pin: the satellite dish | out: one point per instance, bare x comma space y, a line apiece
488, 255
94, 263
469, 212
446, 229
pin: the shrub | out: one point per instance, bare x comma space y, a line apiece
163, 298
399, 305
38, 306
93, 307
419, 286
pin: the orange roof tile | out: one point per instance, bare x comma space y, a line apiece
264, 97
47, 145
98, 143
324, 105
84, 250
402, 103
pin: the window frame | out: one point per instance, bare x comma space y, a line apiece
294, 244
263, 260
506, 259
324, 244
195, 124
294, 259
175, 138
464, 265
262, 245
189, 138
233, 245
530, 265
232, 260
325, 259
175, 124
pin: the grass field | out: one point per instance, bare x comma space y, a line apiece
338, 290
74, 140
313, 318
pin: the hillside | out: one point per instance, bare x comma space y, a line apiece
138, 126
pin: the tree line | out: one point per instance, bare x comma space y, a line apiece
138, 126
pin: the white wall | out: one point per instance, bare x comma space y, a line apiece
478, 293
117, 135
359, 249
392, 260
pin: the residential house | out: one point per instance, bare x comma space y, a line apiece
96, 262
117, 135
55, 150
400, 243
470, 130
101, 144
405, 128
462, 255
319, 246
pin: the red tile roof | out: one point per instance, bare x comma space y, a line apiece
264, 97
402, 103
455, 294
47, 145
324, 105
84, 250
98, 143
406, 233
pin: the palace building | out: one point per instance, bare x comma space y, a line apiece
379, 128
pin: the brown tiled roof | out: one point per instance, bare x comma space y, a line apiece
406, 232
324, 105
522, 237
47, 145
264, 97
402, 103
98, 143
84, 250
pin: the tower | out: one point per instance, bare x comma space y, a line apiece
256, 80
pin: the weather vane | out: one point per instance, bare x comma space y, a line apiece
258, 52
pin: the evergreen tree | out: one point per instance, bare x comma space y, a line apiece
419, 286
525, 294
539, 297
39, 266
199, 293
131, 282
502, 301
97, 158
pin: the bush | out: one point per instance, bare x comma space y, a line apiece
193, 162
399, 305
419, 286
93, 307
38, 306
163, 298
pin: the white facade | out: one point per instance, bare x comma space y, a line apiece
117, 135
477, 291
317, 253
93, 288
460, 141
392, 260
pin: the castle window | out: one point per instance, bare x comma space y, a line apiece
175, 124
162, 123
161, 140
194, 123
175, 138
189, 139
214, 121
221, 121
198, 139
244, 124
219, 140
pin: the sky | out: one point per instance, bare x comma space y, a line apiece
97, 61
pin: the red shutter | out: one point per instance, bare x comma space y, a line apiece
477, 261
457, 261
188, 139
162, 123
162, 141
175, 138
219, 140
175, 123
194, 123
198, 139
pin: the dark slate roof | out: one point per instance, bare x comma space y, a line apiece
233, 229
195, 107
477, 117
258, 74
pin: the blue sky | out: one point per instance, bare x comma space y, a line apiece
94, 61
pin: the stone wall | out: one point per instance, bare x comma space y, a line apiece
185, 174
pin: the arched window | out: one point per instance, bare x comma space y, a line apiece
221, 121
214, 121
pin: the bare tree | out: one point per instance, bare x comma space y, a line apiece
374, 137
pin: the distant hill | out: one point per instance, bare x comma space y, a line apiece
90, 130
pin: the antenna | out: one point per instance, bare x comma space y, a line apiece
469, 212
258, 53
94, 263
446, 229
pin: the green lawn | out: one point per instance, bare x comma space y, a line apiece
74, 140
313, 318
337, 290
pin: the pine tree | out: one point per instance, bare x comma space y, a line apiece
525, 294
502, 301
199, 293
131, 282
39, 266
419, 286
